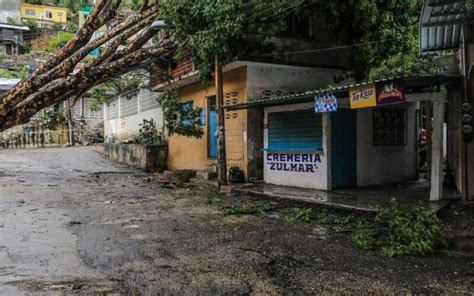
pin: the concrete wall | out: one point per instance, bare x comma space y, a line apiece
192, 153
123, 128
151, 158
276, 164
267, 80
385, 164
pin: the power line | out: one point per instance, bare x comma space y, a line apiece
330, 48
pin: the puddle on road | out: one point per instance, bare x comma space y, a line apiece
68, 286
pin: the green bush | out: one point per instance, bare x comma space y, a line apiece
402, 232
147, 134
416, 232
59, 41
364, 237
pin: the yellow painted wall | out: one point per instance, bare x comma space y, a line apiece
40, 13
191, 153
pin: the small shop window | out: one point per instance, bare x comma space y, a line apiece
390, 127
295, 131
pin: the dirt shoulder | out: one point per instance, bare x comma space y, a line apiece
181, 241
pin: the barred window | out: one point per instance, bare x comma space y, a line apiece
390, 127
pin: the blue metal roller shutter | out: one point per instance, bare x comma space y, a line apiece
295, 131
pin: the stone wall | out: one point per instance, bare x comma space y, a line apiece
152, 158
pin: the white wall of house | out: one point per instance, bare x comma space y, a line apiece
269, 80
385, 164
275, 163
123, 120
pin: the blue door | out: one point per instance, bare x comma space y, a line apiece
212, 132
344, 148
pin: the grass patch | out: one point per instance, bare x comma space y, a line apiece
299, 215
246, 209
213, 200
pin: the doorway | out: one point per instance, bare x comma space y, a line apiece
212, 130
344, 148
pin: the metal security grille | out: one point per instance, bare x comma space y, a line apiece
295, 131
390, 127
148, 101
112, 110
128, 105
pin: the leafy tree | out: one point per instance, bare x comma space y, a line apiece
127, 50
227, 28
384, 34
72, 5
114, 87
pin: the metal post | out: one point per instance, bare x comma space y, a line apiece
222, 161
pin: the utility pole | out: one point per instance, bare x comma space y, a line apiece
222, 161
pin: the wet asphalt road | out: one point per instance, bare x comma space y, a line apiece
72, 222
37, 248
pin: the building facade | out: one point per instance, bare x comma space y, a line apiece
351, 136
11, 38
243, 82
44, 16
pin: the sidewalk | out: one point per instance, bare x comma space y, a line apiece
366, 200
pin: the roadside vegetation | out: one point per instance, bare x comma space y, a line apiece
395, 231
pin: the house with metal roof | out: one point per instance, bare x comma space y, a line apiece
354, 135
11, 38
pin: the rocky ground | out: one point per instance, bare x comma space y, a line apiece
71, 222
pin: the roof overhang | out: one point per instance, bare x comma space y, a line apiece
14, 27
442, 25
412, 83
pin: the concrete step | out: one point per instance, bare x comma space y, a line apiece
206, 175
212, 168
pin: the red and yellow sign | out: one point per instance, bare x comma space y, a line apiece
363, 96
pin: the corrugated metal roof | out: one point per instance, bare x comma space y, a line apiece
441, 25
15, 27
342, 91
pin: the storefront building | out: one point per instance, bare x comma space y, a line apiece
355, 135
243, 82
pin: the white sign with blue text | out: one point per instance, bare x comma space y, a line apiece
326, 102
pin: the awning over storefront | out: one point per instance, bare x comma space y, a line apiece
412, 83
